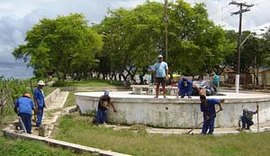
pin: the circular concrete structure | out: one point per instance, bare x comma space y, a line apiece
172, 112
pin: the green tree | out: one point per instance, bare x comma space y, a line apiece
195, 42
133, 38
60, 45
266, 37
252, 51
115, 43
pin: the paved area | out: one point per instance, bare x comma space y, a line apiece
51, 114
263, 127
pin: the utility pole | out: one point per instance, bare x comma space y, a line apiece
166, 29
244, 7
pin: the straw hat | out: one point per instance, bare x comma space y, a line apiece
41, 83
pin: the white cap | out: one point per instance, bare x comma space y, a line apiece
41, 83
106, 92
160, 56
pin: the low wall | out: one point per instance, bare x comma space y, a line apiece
50, 98
172, 112
58, 143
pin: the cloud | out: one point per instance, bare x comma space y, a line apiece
15, 70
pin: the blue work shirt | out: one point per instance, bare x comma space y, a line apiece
160, 69
209, 109
185, 89
25, 105
39, 97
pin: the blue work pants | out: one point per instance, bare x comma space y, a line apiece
39, 116
246, 123
101, 116
208, 125
26, 118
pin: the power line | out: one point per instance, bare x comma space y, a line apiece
220, 16
214, 13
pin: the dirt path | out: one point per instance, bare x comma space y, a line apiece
51, 114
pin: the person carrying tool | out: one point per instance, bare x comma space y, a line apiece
209, 113
24, 106
103, 105
39, 102
246, 118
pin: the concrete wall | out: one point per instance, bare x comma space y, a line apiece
180, 113
50, 98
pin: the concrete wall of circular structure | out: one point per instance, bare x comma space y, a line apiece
172, 112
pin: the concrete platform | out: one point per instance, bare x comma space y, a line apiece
171, 112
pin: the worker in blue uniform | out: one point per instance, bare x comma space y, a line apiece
24, 106
39, 102
185, 87
209, 113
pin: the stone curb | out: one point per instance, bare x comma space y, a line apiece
53, 142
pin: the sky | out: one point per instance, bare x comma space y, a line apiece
18, 16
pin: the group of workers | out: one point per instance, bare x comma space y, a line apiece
25, 106
185, 88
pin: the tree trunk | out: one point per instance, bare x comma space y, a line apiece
142, 75
132, 73
119, 76
124, 76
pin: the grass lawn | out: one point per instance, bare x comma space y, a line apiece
70, 99
79, 129
88, 83
48, 90
10, 147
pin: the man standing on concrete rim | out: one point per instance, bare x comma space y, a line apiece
24, 106
161, 72
209, 113
39, 101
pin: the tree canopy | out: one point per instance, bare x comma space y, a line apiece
61, 45
133, 38
127, 41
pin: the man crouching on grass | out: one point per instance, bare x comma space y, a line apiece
209, 113
103, 105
